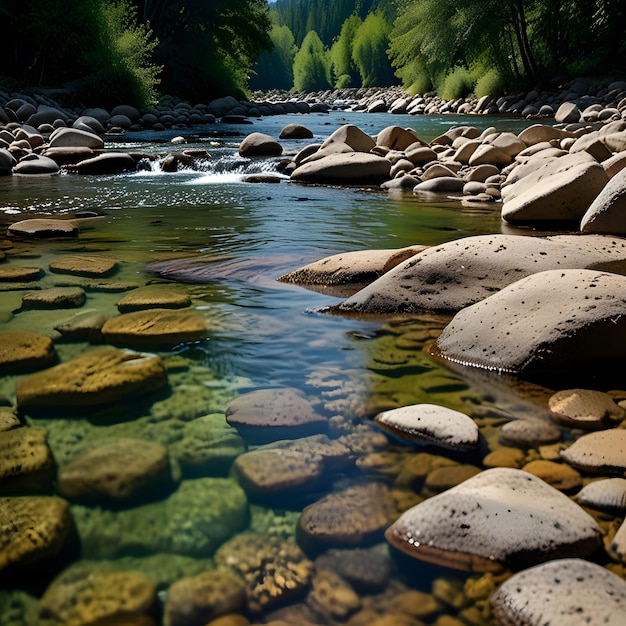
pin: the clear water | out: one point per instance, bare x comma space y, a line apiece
263, 333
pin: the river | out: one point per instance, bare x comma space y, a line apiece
263, 333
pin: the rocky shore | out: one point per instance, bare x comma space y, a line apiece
531, 510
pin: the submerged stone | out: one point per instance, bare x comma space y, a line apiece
44, 228
603, 451
81, 265
584, 408
607, 494
561, 593
501, 518
55, 298
24, 350
154, 297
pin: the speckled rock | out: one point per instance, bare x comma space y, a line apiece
500, 518
208, 446
606, 213
82, 597
462, 272
33, 529
55, 298
561, 593
196, 600
154, 297
24, 350
117, 471
350, 268
607, 494
584, 408
155, 327
274, 571
268, 415
331, 597
26, 462
355, 515
44, 228
528, 433
81, 265
197, 518
558, 475
617, 549
551, 322
289, 467
99, 376
603, 451
430, 423
8, 419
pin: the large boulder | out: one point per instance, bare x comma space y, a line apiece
352, 136
98, 377
351, 168
260, 144
607, 213
461, 272
74, 137
548, 323
36, 164
500, 518
106, 163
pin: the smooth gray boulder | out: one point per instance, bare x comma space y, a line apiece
607, 213
260, 144
73, 137
105, 163
565, 592
351, 168
36, 164
500, 518
461, 272
548, 323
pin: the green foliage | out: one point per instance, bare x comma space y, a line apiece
369, 51
491, 83
120, 60
343, 65
275, 69
457, 83
311, 65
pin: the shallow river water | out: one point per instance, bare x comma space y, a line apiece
263, 334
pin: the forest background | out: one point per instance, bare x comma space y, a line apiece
109, 51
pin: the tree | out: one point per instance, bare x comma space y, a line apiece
343, 67
369, 51
275, 69
311, 66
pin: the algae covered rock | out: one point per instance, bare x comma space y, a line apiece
100, 376
26, 462
24, 350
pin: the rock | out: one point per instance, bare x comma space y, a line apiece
84, 326
55, 298
155, 327
197, 518
8, 420
97, 377
44, 228
599, 452
397, 138
154, 297
561, 593
331, 596
74, 138
538, 133
81, 265
289, 467
486, 154
505, 457
557, 475
197, 600
539, 325
528, 433
607, 494
584, 408
268, 415
351, 268
19, 274
461, 272
368, 570
500, 518
117, 471
351, 168
26, 462
208, 446
103, 164
554, 193
617, 549
567, 113
36, 164
356, 515
7, 162
23, 350
94, 124
259, 144
607, 210
34, 530
430, 423
275, 571
127, 110
83, 596
448, 476
440, 184
65, 155
295, 131
419, 154
351, 136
